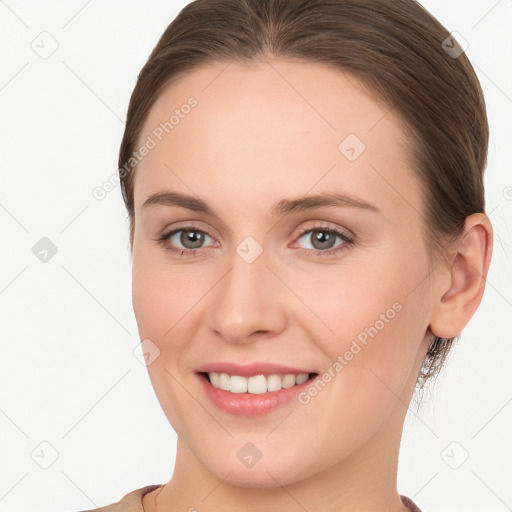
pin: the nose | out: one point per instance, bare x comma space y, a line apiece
249, 302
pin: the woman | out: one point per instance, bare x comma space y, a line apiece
304, 182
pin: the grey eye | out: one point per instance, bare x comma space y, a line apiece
189, 238
321, 238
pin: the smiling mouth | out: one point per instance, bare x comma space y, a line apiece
257, 384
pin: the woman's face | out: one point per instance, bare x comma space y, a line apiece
264, 278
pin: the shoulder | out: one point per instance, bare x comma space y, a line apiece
132, 502
410, 504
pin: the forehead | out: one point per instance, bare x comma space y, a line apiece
263, 127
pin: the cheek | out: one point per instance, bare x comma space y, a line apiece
163, 295
163, 302
377, 318
362, 302
378, 330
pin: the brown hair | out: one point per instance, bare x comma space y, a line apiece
395, 48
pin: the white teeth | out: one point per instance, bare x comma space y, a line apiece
257, 384
224, 381
215, 380
274, 383
237, 384
302, 377
289, 381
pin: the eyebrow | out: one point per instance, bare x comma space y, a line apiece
170, 198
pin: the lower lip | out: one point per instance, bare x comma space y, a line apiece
248, 404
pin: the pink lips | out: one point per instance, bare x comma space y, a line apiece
248, 404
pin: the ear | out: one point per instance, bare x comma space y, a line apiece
456, 302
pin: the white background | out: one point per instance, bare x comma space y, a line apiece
68, 373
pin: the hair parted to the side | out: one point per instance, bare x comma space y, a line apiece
393, 47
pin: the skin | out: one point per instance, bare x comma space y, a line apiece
255, 139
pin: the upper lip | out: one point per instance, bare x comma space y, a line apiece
249, 370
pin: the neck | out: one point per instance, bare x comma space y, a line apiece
364, 480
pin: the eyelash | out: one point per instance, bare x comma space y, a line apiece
348, 241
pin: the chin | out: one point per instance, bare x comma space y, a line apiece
267, 477
275, 467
